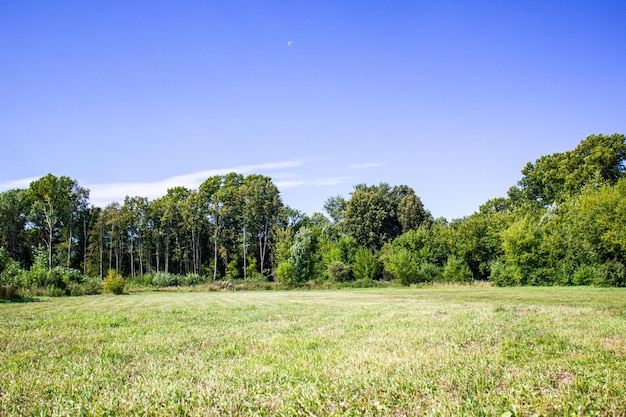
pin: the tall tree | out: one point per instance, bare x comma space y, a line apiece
411, 212
336, 208
371, 215
222, 198
597, 160
53, 201
261, 210
14, 209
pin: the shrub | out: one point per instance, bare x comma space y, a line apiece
164, 279
114, 283
9, 271
339, 271
429, 272
284, 272
456, 270
366, 265
89, 286
256, 278
7, 291
504, 274
403, 266
36, 276
61, 276
611, 274
584, 275
189, 279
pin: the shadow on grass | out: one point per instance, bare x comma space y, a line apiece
21, 299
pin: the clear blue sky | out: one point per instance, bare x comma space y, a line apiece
450, 98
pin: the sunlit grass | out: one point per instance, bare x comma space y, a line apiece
438, 351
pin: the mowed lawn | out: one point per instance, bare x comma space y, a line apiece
422, 351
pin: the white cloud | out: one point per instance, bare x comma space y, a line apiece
103, 194
12, 184
366, 165
318, 182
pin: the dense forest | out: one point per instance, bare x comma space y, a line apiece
563, 223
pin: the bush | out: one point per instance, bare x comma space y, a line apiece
61, 276
114, 283
164, 279
36, 276
366, 265
456, 270
256, 278
7, 291
339, 271
90, 286
429, 272
584, 275
144, 280
403, 266
189, 279
503, 274
284, 273
611, 274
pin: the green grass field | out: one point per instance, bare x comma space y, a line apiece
425, 351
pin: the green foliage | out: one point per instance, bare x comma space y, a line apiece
303, 255
411, 212
9, 269
366, 265
424, 245
429, 272
403, 266
336, 208
584, 275
456, 270
89, 286
611, 274
189, 279
598, 159
114, 283
165, 279
284, 272
371, 215
338, 271
504, 274
521, 244
477, 240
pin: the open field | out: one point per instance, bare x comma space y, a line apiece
427, 351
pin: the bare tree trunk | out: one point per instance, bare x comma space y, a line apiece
245, 255
69, 247
84, 246
101, 250
167, 254
131, 250
215, 237
140, 256
158, 252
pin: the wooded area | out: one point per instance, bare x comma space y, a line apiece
563, 223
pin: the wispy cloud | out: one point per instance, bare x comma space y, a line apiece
317, 182
103, 194
366, 165
12, 184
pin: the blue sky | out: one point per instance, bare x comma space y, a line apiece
450, 98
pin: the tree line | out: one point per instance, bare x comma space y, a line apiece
563, 223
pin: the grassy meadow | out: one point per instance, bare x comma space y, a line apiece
420, 351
